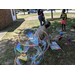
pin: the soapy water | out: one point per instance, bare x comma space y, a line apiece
28, 44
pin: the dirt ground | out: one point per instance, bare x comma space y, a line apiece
7, 48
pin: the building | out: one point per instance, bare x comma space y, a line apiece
6, 17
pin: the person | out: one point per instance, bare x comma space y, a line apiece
41, 16
63, 19
43, 33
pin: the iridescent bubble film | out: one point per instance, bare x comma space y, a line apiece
27, 48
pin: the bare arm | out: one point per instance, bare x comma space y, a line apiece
61, 16
66, 16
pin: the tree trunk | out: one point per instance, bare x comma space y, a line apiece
24, 11
51, 14
27, 9
67, 10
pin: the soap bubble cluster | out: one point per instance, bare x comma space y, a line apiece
28, 49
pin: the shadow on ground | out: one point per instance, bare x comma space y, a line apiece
7, 52
14, 25
66, 55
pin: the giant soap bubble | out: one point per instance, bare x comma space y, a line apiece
28, 49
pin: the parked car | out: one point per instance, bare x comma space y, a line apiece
32, 11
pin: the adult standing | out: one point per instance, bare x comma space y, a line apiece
41, 17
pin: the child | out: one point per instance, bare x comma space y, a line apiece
42, 32
63, 19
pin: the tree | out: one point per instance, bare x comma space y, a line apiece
27, 9
67, 10
18, 10
52, 14
23, 11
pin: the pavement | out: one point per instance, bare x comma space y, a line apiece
2, 33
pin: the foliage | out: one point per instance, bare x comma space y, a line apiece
18, 10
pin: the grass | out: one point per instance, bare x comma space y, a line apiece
51, 57
54, 14
12, 28
73, 10
28, 15
25, 16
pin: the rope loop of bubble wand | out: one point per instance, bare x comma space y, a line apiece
47, 39
42, 53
